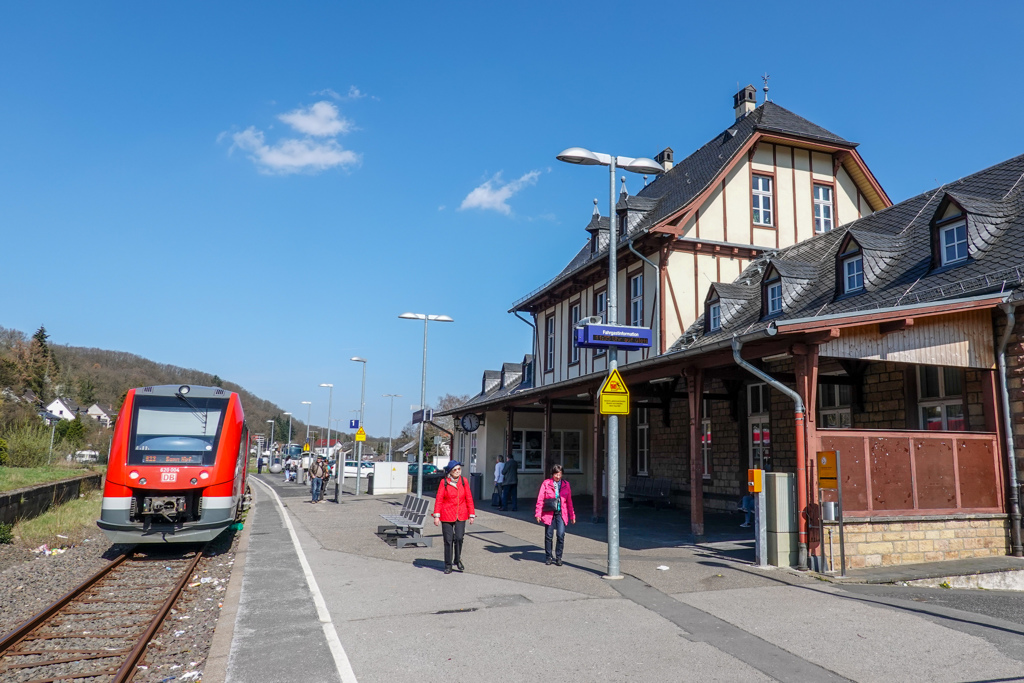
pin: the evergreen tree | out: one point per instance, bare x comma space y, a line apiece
41, 364
217, 381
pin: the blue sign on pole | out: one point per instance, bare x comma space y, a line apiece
353, 424
622, 336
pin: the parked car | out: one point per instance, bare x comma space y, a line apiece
427, 469
350, 468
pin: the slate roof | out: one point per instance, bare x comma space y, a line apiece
675, 189
896, 243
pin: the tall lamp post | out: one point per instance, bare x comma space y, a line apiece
391, 419
362, 405
584, 157
289, 427
340, 466
271, 441
309, 416
426, 318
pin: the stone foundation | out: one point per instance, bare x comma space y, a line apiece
881, 542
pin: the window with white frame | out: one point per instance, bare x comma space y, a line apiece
528, 449
643, 441
705, 437
853, 274
567, 448
773, 293
462, 446
601, 309
574, 351
834, 406
715, 317
762, 200
953, 243
472, 452
636, 300
823, 221
549, 348
940, 398
759, 424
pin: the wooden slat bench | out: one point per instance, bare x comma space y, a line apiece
407, 525
647, 488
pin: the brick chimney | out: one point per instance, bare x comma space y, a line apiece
745, 101
665, 159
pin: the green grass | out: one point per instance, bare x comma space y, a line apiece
20, 477
74, 520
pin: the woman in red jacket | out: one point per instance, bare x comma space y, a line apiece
554, 511
452, 507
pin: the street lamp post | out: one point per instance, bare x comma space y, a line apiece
584, 157
362, 404
309, 416
391, 419
271, 441
426, 318
340, 466
289, 427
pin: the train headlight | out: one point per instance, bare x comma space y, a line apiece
142, 481
204, 475
133, 475
194, 481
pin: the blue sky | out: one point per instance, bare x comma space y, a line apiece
257, 190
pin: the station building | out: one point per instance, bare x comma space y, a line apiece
889, 322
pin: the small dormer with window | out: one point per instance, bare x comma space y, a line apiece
850, 267
964, 227
713, 317
724, 302
598, 229
949, 234
783, 283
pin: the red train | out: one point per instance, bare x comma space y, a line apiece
177, 468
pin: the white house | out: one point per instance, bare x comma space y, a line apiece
64, 408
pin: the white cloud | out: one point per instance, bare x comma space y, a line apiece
292, 155
321, 119
493, 195
354, 93
328, 92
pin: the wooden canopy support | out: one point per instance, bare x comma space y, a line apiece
695, 387
895, 325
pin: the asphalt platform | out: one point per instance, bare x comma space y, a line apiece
319, 596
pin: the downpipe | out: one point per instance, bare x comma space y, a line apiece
1016, 549
801, 455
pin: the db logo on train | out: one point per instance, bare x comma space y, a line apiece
168, 476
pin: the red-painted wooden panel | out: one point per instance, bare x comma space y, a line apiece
979, 482
936, 483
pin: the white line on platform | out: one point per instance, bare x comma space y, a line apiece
337, 651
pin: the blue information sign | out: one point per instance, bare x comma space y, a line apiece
622, 336
353, 424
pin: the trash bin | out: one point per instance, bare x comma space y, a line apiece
369, 484
476, 485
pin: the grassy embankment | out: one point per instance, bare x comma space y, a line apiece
63, 525
19, 477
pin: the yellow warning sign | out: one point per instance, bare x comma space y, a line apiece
361, 435
305, 449
614, 396
828, 474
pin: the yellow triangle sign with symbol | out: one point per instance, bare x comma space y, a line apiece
614, 396
361, 435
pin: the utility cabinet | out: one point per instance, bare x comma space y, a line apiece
780, 518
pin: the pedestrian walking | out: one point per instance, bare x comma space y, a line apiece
510, 485
452, 507
259, 465
318, 472
554, 510
496, 496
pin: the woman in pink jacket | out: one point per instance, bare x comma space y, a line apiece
554, 511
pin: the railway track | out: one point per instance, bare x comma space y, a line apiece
99, 631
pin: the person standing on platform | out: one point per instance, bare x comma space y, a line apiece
259, 464
496, 498
510, 485
318, 473
554, 510
452, 507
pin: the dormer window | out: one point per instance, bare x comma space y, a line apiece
715, 317
853, 274
953, 243
772, 293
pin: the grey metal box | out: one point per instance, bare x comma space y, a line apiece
780, 502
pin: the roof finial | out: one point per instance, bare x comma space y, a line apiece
622, 190
765, 79
596, 212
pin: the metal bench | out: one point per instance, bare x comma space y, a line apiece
648, 488
407, 525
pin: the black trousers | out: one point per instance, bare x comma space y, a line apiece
453, 533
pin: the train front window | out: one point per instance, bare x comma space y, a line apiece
169, 431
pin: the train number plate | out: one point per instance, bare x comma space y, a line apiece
168, 476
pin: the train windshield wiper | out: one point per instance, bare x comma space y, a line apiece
200, 415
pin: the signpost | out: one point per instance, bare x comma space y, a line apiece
614, 396
361, 435
599, 336
422, 416
353, 424
828, 478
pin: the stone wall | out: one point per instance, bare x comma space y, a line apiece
33, 501
909, 541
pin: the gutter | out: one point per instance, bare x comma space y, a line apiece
1017, 550
533, 346
801, 456
993, 297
